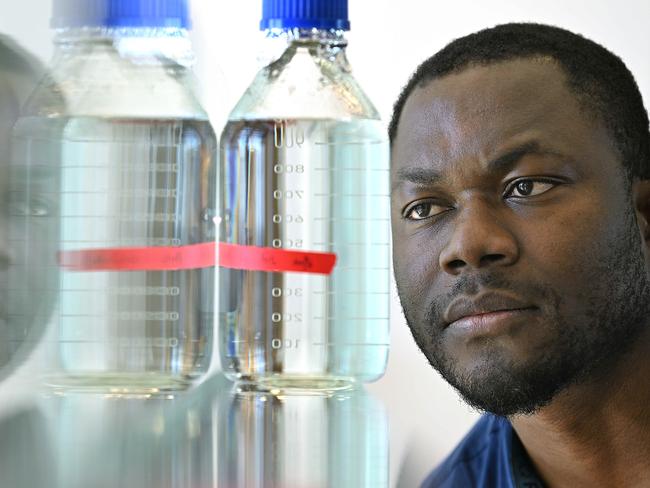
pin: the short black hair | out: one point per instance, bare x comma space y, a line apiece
599, 78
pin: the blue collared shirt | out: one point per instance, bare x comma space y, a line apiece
490, 456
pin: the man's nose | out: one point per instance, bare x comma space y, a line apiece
478, 240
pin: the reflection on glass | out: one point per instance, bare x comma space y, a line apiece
134, 442
109, 441
26, 451
268, 439
22, 316
210, 436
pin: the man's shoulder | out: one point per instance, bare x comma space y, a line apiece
482, 459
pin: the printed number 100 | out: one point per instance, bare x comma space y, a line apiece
286, 343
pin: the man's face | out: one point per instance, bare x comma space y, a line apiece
518, 259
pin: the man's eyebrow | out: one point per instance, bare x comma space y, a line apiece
512, 157
428, 176
417, 175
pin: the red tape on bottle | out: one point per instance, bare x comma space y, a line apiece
195, 256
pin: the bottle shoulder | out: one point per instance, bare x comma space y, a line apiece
304, 83
102, 83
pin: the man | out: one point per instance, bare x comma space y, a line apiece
521, 229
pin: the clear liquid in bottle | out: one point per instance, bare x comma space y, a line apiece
317, 188
132, 324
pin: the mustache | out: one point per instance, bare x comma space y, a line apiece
471, 285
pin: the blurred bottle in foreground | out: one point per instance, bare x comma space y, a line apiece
304, 252
114, 147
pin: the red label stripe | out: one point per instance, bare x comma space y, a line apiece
197, 256
270, 259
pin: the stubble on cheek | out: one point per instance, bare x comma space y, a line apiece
592, 308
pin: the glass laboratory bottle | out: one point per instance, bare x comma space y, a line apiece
115, 146
304, 214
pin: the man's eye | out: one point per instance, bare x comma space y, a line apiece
423, 210
529, 188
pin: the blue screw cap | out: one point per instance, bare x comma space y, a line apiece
120, 13
305, 14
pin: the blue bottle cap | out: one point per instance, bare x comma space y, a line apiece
120, 13
78, 13
305, 14
147, 13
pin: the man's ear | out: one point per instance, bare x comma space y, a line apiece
641, 199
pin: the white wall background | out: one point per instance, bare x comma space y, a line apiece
388, 40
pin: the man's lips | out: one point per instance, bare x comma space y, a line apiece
485, 308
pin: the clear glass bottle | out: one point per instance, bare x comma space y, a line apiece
115, 147
304, 207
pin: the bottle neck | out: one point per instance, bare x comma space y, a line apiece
141, 45
327, 37
326, 44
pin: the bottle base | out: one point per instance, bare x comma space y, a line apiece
119, 384
283, 383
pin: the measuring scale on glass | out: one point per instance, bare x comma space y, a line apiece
305, 251
132, 197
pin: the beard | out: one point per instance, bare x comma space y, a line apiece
615, 306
